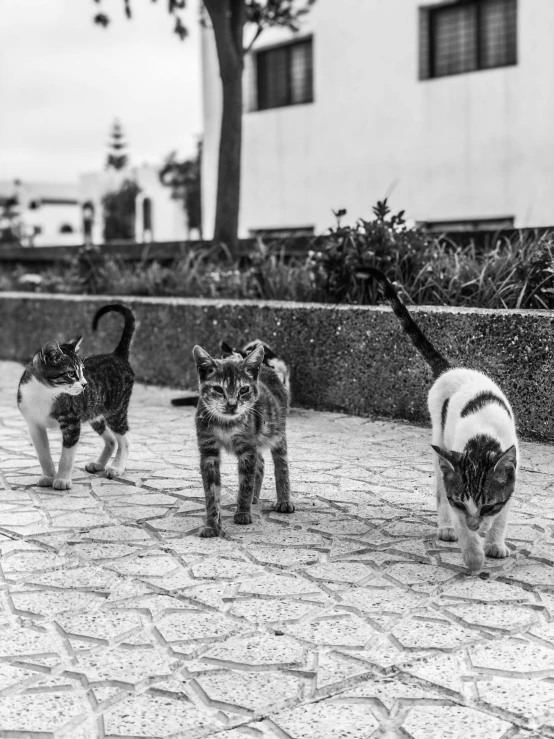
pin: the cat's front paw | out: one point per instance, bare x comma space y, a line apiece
61, 483
498, 551
112, 472
284, 506
45, 481
474, 560
94, 467
209, 532
243, 518
447, 533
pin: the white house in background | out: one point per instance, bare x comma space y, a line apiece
447, 107
158, 216
50, 212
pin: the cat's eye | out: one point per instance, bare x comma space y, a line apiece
488, 510
458, 505
244, 390
217, 389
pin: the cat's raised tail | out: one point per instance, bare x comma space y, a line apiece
432, 356
122, 349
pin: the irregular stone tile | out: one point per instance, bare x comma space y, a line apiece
523, 698
226, 569
502, 617
281, 557
277, 586
452, 722
146, 565
486, 591
26, 642
11, 676
515, 656
369, 600
445, 670
413, 633
258, 650
152, 716
46, 712
105, 625
84, 577
50, 602
125, 665
348, 631
259, 611
533, 574
391, 690
194, 625
328, 719
418, 574
334, 668
256, 691
351, 572
345, 527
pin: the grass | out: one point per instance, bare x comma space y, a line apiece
517, 273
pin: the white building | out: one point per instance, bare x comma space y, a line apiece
158, 216
48, 213
447, 107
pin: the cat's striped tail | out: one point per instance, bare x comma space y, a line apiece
434, 358
122, 349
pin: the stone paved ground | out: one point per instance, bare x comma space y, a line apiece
346, 619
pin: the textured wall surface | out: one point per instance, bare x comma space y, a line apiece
350, 359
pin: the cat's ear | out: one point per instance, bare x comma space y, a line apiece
505, 464
74, 344
204, 363
50, 352
269, 353
226, 349
447, 461
251, 363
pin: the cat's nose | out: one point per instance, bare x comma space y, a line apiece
232, 403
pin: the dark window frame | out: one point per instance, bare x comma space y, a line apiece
427, 37
260, 56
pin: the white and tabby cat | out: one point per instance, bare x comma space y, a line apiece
475, 442
60, 390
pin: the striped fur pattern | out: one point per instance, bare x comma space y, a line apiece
476, 449
242, 409
59, 390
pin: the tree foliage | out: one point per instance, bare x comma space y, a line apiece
117, 155
119, 210
183, 177
228, 19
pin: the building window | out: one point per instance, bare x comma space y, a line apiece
283, 76
467, 36
475, 224
66, 228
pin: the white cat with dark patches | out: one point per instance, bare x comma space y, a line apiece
475, 444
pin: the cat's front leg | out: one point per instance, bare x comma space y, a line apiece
284, 503
211, 477
495, 545
447, 531
471, 545
71, 431
42, 446
247, 474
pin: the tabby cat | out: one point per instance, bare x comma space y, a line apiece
270, 360
60, 390
475, 444
242, 409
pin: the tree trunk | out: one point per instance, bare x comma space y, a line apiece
227, 17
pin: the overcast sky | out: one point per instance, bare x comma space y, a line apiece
63, 80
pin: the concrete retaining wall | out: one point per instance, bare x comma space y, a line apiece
350, 359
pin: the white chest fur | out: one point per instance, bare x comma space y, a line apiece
36, 403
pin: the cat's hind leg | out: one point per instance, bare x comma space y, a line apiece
258, 477
247, 463
284, 503
71, 431
110, 445
446, 531
40, 442
120, 427
495, 545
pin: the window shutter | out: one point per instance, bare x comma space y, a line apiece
424, 44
